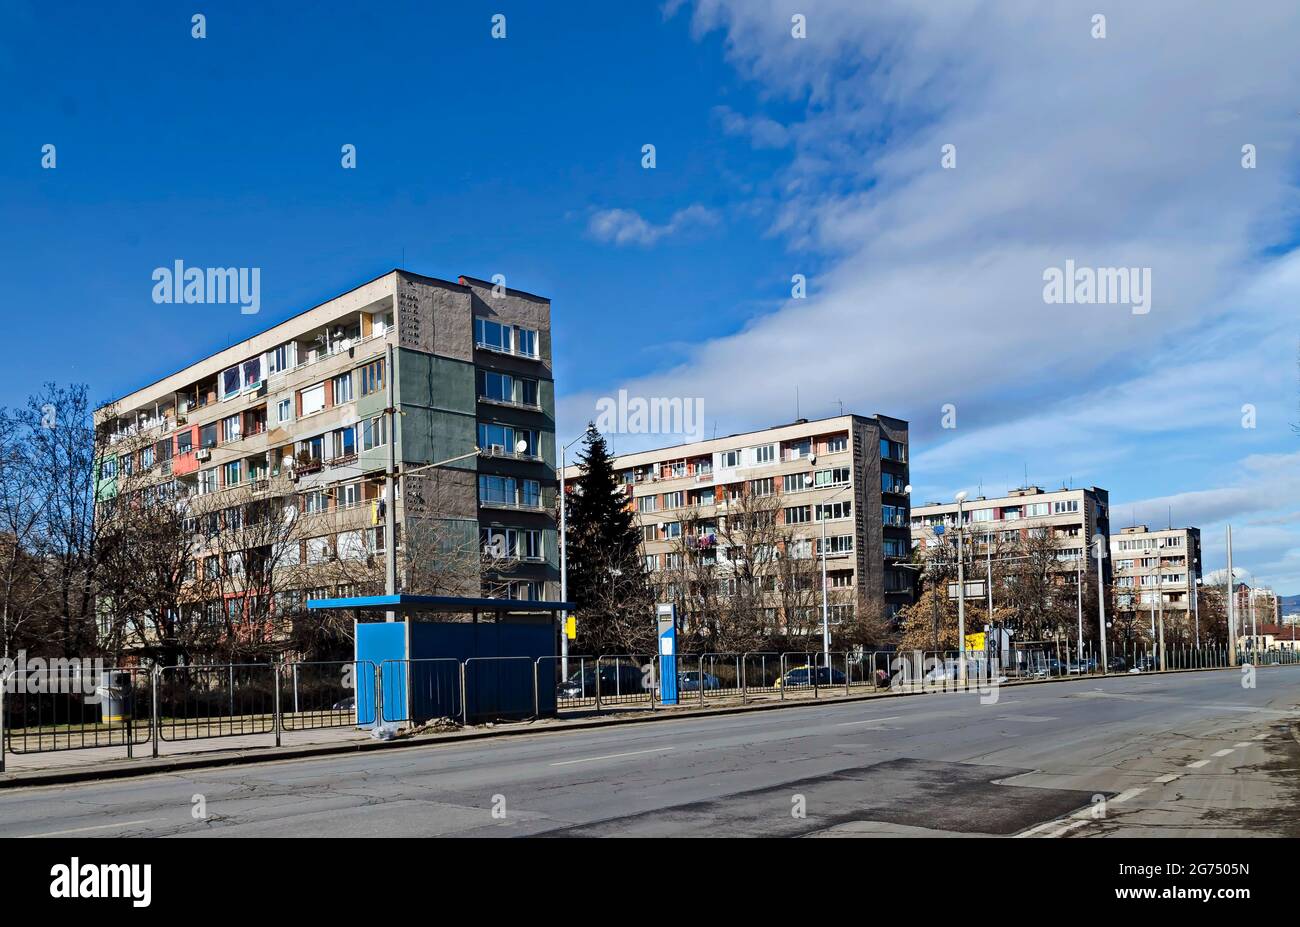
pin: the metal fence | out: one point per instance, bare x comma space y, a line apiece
128, 707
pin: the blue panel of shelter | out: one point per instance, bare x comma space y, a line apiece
379, 643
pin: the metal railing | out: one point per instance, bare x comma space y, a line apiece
127, 707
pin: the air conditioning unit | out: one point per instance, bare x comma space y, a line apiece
497, 449
203, 453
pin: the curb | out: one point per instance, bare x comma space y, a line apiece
131, 769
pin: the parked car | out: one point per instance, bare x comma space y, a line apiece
620, 679
347, 704
806, 676
1117, 664
690, 682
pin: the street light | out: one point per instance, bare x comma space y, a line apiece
961, 595
564, 550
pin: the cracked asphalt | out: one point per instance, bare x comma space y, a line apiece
1192, 754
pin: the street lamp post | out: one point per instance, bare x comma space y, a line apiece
564, 551
1099, 551
1232, 607
826, 624
961, 596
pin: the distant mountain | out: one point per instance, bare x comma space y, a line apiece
1289, 603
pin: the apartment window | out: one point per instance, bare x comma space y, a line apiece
647, 503
532, 544
702, 497
230, 428
344, 442
1069, 505
892, 450
674, 500
526, 341
649, 532
763, 487
372, 377
252, 372
278, 359
672, 530
797, 515
531, 494
349, 495
832, 510
837, 476
313, 399
496, 490
230, 473
184, 442
489, 334
895, 547
792, 482
837, 444
894, 515
207, 480
229, 382
651, 563
374, 433
981, 515
342, 385
284, 411
729, 459
505, 438
501, 387
318, 550
1037, 510
798, 450
146, 457
765, 454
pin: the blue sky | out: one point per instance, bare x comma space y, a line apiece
775, 156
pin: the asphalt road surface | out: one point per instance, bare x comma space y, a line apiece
1194, 754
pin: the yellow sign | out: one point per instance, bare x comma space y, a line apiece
571, 628
975, 641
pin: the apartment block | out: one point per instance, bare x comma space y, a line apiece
297, 414
1156, 568
846, 475
1001, 525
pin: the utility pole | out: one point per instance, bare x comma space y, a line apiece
1079, 583
390, 518
1099, 543
1232, 608
961, 596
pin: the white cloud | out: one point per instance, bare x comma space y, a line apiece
628, 227
1123, 151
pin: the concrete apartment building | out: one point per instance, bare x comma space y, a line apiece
1163, 562
297, 413
1068, 517
858, 467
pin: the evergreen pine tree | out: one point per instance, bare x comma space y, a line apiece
607, 579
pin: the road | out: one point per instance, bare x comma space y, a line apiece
1192, 754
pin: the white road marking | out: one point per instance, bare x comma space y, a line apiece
1169, 778
1029, 719
1127, 794
869, 720
1198, 764
1262, 736
1223, 752
1244, 743
82, 830
610, 756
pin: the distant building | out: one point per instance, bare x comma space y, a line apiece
1067, 518
1156, 569
846, 475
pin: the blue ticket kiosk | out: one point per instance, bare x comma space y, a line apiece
666, 613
